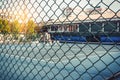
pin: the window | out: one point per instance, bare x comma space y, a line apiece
118, 26
110, 26
83, 27
97, 26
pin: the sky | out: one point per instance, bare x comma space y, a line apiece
51, 9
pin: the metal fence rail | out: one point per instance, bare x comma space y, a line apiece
59, 40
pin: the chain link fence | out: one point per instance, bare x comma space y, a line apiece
59, 39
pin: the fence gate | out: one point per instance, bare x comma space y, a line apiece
59, 39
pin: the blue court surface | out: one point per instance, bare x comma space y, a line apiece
58, 61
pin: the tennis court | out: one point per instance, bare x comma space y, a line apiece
59, 61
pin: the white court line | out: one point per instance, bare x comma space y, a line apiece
22, 57
81, 56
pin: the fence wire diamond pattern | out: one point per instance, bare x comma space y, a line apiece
59, 40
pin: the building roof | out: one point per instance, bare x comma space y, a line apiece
104, 15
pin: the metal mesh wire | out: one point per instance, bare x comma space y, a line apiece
59, 40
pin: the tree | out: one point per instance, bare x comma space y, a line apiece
1, 25
5, 26
30, 28
15, 27
22, 28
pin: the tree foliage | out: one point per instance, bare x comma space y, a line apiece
30, 28
15, 27
4, 26
1, 25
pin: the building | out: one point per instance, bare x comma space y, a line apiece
91, 25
